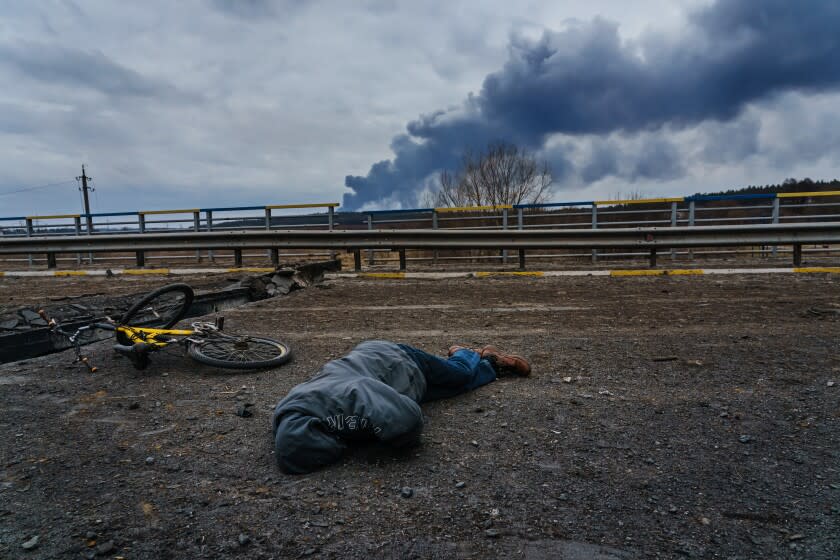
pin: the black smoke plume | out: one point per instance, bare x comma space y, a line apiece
586, 81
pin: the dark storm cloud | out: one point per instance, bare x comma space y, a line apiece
85, 69
585, 80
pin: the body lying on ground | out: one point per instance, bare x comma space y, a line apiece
374, 394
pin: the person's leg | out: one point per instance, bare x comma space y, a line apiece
464, 371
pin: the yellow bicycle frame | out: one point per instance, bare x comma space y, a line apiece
150, 336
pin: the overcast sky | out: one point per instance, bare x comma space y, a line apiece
246, 102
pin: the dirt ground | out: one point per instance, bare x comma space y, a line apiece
667, 417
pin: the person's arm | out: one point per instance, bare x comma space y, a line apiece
376, 409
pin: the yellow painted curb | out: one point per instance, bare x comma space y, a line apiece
684, 272
807, 270
675, 272
512, 273
70, 273
250, 270
2, 273
384, 275
142, 271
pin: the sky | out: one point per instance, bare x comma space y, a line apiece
203, 103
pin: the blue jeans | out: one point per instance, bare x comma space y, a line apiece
462, 372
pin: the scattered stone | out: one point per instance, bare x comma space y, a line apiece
796, 537
567, 379
282, 284
491, 533
105, 548
244, 540
31, 543
474, 443
244, 410
829, 384
90, 535
460, 484
150, 460
9, 324
704, 521
744, 438
134, 406
309, 551
665, 358
406, 492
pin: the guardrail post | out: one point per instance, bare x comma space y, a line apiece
797, 254
370, 227
402, 259
197, 227
51, 260
653, 257
691, 223
504, 226
29, 232
357, 260
237, 258
209, 214
330, 224
594, 226
140, 256
268, 227
673, 224
77, 223
434, 226
520, 224
775, 220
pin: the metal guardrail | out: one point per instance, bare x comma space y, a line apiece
675, 212
652, 239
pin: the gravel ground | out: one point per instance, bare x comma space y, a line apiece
668, 417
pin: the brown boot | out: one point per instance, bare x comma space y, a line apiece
506, 363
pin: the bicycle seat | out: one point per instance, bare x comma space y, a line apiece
137, 353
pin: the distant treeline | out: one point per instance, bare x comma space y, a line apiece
788, 185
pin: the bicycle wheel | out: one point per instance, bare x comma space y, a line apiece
243, 352
161, 308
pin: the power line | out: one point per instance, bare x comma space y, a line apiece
27, 189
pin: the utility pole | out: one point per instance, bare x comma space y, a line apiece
85, 188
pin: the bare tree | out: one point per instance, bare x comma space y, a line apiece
503, 174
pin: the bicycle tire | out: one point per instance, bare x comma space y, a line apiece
174, 312
218, 352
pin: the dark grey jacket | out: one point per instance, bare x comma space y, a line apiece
369, 394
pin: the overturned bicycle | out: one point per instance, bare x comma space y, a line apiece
147, 328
